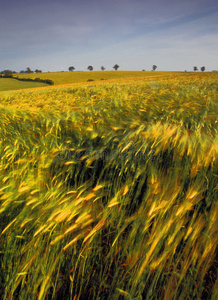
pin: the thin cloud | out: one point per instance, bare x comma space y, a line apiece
55, 33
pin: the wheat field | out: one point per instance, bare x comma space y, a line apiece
108, 190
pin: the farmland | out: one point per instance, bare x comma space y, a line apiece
8, 84
108, 188
78, 77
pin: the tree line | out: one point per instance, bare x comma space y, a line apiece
9, 73
116, 67
90, 68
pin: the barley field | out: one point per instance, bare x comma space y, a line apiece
108, 189
84, 76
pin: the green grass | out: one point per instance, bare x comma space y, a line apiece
7, 84
109, 190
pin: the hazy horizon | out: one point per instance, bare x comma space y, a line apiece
52, 35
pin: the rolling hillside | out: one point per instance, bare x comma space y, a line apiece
108, 189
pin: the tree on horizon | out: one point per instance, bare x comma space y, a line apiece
8, 73
71, 69
154, 67
102, 68
28, 70
195, 68
116, 67
90, 68
202, 69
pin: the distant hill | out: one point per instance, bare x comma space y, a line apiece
85, 76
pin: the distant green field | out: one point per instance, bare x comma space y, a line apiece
74, 77
7, 84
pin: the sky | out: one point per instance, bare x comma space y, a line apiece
52, 35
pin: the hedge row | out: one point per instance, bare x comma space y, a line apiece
47, 81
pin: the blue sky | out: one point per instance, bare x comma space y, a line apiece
52, 35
